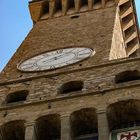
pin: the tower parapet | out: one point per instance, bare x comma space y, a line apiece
44, 9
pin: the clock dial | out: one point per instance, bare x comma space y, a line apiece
56, 59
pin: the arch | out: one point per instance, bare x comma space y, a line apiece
110, 3
127, 76
14, 130
71, 86
48, 127
84, 2
84, 5
71, 6
84, 124
124, 114
58, 8
45, 10
97, 4
17, 96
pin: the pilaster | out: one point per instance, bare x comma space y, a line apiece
103, 127
64, 6
65, 127
30, 131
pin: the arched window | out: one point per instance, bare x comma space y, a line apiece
84, 124
124, 114
71, 86
48, 127
14, 130
127, 76
17, 96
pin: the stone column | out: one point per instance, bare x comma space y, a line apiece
52, 8
103, 3
90, 4
65, 127
77, 5
64, 6
103, 127
30, 131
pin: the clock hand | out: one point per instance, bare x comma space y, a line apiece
51, 59
54, 58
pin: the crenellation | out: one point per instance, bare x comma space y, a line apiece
57, 8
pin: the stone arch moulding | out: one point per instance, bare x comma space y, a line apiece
124, 97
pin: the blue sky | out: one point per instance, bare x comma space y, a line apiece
15, 23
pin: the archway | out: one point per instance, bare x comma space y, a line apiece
84, 124
124, 119
48, 127
14, 130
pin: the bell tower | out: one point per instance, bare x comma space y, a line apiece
76, 76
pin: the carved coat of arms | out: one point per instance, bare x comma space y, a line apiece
127, 135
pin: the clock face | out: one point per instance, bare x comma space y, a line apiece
56, 59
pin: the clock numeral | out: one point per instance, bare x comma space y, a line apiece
59, 51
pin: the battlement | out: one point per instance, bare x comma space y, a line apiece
45, 9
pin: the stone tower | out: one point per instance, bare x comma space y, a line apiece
76, 76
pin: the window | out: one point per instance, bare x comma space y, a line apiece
127, 76
71, 87
17, 96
